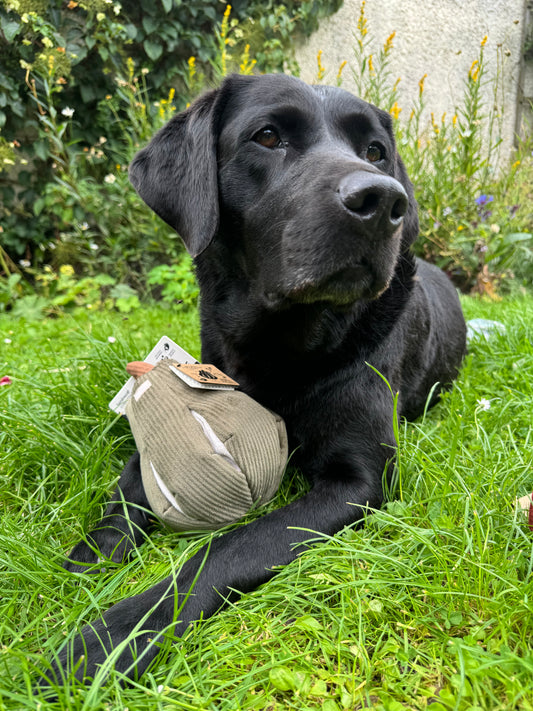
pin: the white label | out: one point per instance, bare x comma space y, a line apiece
165, 348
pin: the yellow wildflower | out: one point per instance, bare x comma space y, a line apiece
421, 84
388, 43
247, 65
473, 73
484, 40
362, 21
131, 67
341, 67
321, 70
395, 110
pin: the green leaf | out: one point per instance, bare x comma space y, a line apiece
152, 49
40, 148
167, 5
38, 205
130, 30
87, 92
10, 28
150, 24
308, 622
319, 688
282, 678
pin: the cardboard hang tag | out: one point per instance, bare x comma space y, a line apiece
202, 375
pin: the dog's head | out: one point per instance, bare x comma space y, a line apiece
300, 187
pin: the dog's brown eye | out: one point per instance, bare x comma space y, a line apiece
374, 153
268, 137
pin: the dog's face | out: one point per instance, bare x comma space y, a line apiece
301, 187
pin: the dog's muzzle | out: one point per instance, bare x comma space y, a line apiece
376, 202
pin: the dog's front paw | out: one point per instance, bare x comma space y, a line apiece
99, 548
84, 558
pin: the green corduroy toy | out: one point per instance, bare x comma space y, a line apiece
208, 456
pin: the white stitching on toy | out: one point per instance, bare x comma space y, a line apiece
165, 491
216, 443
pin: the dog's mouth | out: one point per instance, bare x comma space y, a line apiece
340, 289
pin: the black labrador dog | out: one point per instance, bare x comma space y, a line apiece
300, 217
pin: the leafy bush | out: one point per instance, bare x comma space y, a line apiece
77, 53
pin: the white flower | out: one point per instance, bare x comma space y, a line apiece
84, 226
68, 112
483, 404
111, 339
110, 178
25, 263
93, 246
7, 341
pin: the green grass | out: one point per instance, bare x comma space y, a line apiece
428, 606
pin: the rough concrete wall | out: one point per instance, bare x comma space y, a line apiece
526, 83
438, 37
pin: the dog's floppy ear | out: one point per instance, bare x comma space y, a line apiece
176, 174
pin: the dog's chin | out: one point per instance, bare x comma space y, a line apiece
339, 291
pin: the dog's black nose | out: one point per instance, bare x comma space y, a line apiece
379, 202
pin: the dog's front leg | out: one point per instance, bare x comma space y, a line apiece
122, 527
131, 632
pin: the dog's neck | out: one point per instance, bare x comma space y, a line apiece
266, 350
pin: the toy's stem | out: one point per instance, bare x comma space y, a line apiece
138, 367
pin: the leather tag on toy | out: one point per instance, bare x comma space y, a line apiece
202, 375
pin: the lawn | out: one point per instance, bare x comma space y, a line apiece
429, 605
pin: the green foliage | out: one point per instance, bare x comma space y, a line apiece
177, 282
79, 55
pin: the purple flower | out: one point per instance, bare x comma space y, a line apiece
6, 380
483, 200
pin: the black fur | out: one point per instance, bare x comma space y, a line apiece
301, 239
